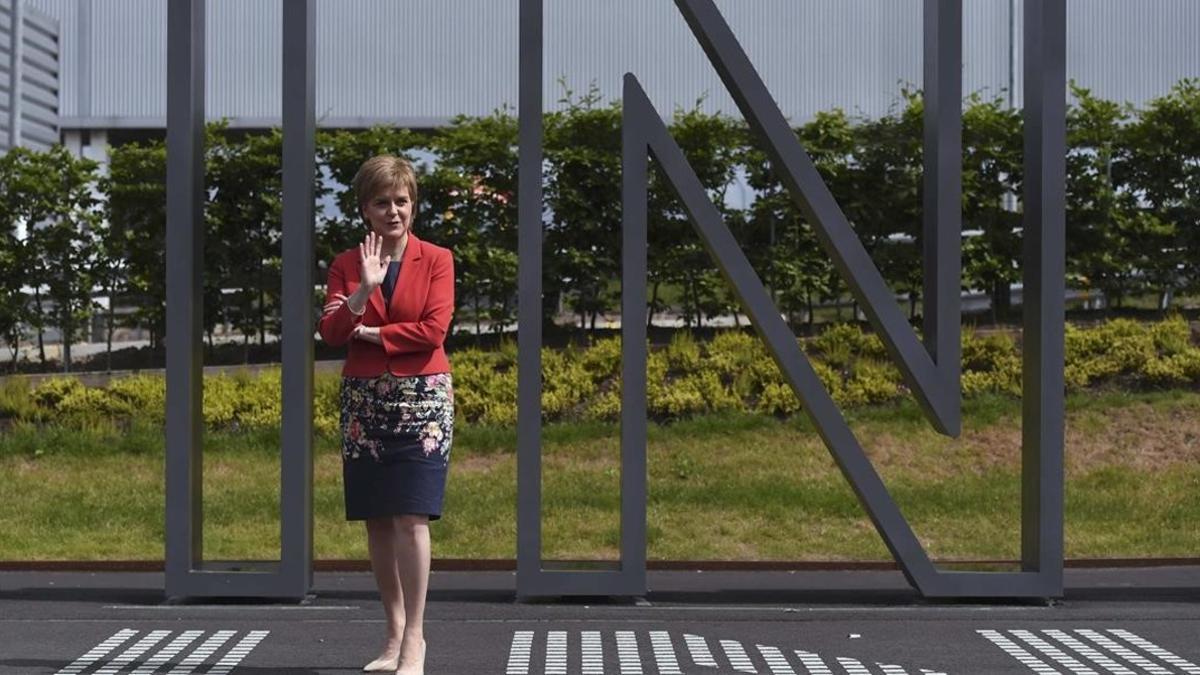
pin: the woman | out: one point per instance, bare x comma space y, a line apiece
391, 300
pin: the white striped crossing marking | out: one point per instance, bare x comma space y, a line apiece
167, 653
205, 650
239, 652
1054, 653
852, 666
737, 656
556, 652
112, 667
776, 660
164, 655
519, 653
593, 653
1123, 652
627, 653
666, 661
1182, 664
1095, 655
93, 655
664, 653
814, 663
698, 647
1035, 664
1090, 654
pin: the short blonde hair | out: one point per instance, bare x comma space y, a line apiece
383, 172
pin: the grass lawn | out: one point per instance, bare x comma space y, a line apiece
740, 487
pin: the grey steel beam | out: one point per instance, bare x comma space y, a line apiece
529, 304
188, 574
299, 169
185, 255
1044, 312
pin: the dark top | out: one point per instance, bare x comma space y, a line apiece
389, 281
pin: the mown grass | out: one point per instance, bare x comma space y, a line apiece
720, 487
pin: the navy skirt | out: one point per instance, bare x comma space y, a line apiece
396, 437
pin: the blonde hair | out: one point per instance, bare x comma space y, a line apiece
383, 172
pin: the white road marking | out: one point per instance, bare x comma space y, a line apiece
1180, 663
664, 653
627, 653
205, 650
1053, 652
737, 656
519, 653
556, 652
167, 653
593, 653
814, 663
133, 652
239, 652
698, 647
776, 660
852, 666
889, 669
1123, 652
96, 652
1086, 651
1035, 664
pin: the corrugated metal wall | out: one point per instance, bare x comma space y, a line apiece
35, 95
422, 61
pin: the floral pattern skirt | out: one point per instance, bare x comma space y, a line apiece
396, 438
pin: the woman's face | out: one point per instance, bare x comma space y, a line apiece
390, 212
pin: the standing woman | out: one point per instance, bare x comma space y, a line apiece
391, 299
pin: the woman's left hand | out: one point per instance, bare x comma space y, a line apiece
368, 333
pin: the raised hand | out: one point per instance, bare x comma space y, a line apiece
371, 267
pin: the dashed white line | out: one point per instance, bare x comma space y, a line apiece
205, 650
776, 660
627, 653
127, 657
96, 652
1123, 652
1035, 664
1053, 652
593, 653
1180, 663
239, 652
1086, 651
167, 653
737, 656
664, 653
889, 669
698, 647
852, 666
556, 652
813, 663
519, 653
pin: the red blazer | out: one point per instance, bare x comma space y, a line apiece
414, 324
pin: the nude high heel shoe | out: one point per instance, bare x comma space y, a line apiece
418, 669
382, 665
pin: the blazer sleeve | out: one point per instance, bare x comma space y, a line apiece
428, 332
336, 325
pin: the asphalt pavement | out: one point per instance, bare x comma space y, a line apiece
1122, 621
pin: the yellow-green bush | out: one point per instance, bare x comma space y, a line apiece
733, 371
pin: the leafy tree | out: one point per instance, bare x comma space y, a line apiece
1163, 172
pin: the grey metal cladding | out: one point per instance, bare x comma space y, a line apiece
857, 59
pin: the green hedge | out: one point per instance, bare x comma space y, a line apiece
731, 372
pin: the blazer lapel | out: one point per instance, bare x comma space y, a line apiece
408, 271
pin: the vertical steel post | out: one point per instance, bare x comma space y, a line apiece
185, 254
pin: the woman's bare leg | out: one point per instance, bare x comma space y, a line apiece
413, 550
382, 545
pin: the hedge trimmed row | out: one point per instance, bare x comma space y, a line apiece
731, 372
